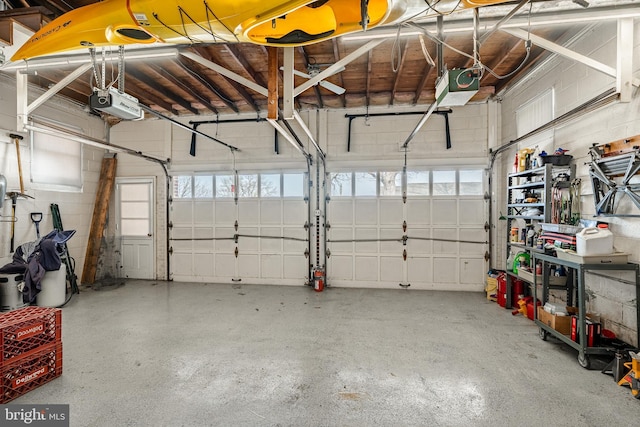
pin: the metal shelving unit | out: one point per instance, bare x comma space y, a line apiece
539, 180
577, 285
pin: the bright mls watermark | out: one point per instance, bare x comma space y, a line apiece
34, 415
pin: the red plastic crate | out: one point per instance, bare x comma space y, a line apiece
25, 330
28, 373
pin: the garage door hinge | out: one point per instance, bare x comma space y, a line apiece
235, 225
235, 238
405, 238
170, 225
404, 226
404, 255
328, 252
306, 253
171, 250
487, 256
487, 227
236, 252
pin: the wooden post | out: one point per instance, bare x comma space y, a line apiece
99, 219
272, 108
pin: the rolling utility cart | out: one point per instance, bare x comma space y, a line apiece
577, 284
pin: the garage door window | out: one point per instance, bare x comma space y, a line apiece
418, 183
270, 185
182, 187
293, 185
341, 184
248, 185
471, 182
203, 186
224, 186
444, 183
390, 183
365, 183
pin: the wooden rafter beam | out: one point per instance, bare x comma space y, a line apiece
143, 78
396, 81
183, 85
237, 56
336, 55
272, 100
205, 81
423, 83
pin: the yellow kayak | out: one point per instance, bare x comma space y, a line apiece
265, 22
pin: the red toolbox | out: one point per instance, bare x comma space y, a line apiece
28, 373
26, 330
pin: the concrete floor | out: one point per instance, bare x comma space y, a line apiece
181, 354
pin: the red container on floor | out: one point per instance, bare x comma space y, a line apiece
531, 308
26, 330
28, 373
501, 297
517, 291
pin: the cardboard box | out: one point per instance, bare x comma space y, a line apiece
561, 324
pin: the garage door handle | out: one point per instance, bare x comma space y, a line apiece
149, 234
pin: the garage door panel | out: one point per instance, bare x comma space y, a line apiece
249, 266
203, 212
270, 212
366, 268
471, 212
341, 212
338, 233
203, 265
445, 212
248, 243
417, 243
295, 212
366, 212
182, 233
271, 266
182, 264
473, 235
440, 247
341, 267
391, 269
471, 270
391, 212
445, 270
182, 212
420, 270
366, 234
294, 245
418, 213
391, 247
225, 213
270, 245
225, 266
203, 233
295, 267
225, 245
248, 212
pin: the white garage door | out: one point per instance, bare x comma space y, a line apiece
445, 216
266, 226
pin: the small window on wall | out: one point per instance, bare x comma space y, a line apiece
341, 184
203, 186
365, 183
269, 185
224, 186
444, 183
390, 183
56, 163
248, 185
182, 187
471, 182
418, 183
293, 185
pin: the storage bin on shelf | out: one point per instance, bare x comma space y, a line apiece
594, 241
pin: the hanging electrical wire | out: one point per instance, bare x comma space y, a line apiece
396, 52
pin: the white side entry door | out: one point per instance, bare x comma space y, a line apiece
135, 227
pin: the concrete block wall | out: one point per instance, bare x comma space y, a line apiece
574, 84
76, 208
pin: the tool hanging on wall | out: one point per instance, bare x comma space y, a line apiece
36, 217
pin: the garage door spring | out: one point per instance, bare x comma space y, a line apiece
406, 238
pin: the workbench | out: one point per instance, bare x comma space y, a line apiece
576, 283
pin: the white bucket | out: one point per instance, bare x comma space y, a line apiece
594, 241
53, 288
10, 296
